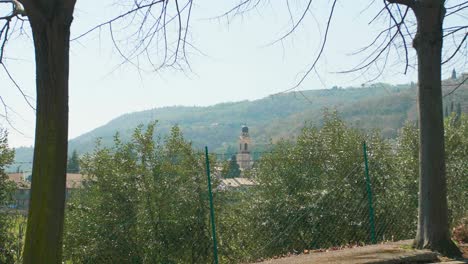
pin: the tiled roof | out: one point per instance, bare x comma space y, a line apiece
236, 183
19, 180
74, 180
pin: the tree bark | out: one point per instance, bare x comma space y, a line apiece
50, 21
433, 229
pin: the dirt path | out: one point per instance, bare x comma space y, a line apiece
397, 252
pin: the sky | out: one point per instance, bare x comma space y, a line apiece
230, 58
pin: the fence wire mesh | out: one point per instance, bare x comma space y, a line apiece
138, 208
284, 203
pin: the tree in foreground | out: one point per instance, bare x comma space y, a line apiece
407, 164
427, 33
433, 227
50, 22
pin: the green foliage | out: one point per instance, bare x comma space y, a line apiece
232, 169
6, 158
308, 191
459, 111
144, 202
275, 117
73, 163
456, 149
7, 188
311, 193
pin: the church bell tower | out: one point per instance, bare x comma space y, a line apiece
244, 159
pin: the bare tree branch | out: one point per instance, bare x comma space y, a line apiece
405, 47
385, 45
456, 88
6, 116
25, 96
242, 7
455, 30
4, 35
138, 8
456, 50
409, 3
317, 58
457, 10
145, 33
17, 10
457, 6
322, 48
295, 25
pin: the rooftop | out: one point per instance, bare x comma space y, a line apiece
74, 180
236, 183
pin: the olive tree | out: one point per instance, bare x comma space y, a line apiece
427, 33
143, 202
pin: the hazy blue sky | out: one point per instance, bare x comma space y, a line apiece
237, 64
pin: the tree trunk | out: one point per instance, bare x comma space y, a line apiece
433, 230
50, 22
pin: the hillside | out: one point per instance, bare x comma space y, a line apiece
377, 106
273, 117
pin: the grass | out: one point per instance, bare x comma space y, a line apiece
407, 247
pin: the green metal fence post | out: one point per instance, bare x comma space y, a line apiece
213, 226
369, 195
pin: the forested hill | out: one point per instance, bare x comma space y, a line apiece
273, 117
382, 106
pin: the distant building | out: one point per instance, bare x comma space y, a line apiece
74, 181
235, 183
244, 159
23, 191
23, 185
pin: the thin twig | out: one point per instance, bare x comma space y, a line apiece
17, 86
458, 86
322, 48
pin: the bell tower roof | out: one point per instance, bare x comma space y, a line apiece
245, 129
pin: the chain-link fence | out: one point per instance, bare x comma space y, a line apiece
145, 203
297, 205
136, 213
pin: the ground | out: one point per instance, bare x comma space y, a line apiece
388, 253
464, 249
